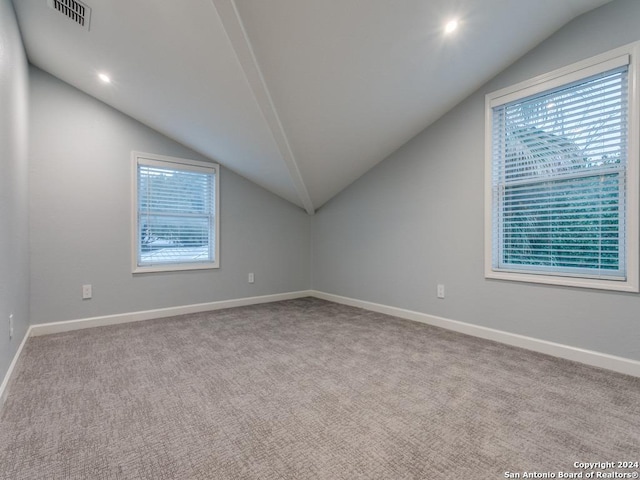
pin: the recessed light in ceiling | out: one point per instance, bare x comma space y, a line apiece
104, 77
451, 26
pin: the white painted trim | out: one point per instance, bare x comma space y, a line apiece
624, 55
79, 324
4, 390
69, 325
563, 76
142, 158
241, 45
588, 357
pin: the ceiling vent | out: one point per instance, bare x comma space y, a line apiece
73, 9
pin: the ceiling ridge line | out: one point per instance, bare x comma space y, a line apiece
241, 45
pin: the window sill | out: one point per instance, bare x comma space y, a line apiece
175, 268
565, 281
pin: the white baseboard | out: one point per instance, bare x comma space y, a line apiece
4, 387
69, 325
588, 357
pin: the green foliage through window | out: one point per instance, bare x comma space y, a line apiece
558, 179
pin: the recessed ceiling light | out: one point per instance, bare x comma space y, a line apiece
104, 77
451, 26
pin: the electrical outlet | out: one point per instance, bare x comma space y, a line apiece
440, 291
251, 278
86, 292
10, 326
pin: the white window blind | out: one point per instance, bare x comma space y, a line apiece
176, 210
559, 163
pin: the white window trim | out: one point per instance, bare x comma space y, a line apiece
150, 158
606, 61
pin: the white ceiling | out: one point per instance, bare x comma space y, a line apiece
300, 96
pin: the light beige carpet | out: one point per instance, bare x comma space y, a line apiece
304, 389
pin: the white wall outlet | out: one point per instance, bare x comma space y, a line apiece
440, 291
251, 278
10, 326
86, 292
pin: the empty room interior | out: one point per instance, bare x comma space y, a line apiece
300, 239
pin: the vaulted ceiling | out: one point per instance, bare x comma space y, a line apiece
299, 96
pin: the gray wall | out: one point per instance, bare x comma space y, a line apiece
80, 208
416, 220
14, 220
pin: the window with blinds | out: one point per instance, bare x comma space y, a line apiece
176, 214
559, 160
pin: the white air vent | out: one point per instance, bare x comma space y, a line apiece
73, 9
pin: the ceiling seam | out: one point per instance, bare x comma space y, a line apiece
241, 46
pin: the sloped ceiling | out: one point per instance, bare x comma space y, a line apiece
299, 96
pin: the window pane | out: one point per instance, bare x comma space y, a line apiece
567, 223
174, 191
558, 171
176, 215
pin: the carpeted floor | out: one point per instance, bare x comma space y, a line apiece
305, 389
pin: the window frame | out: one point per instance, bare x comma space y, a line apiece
173, 162
538, 85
